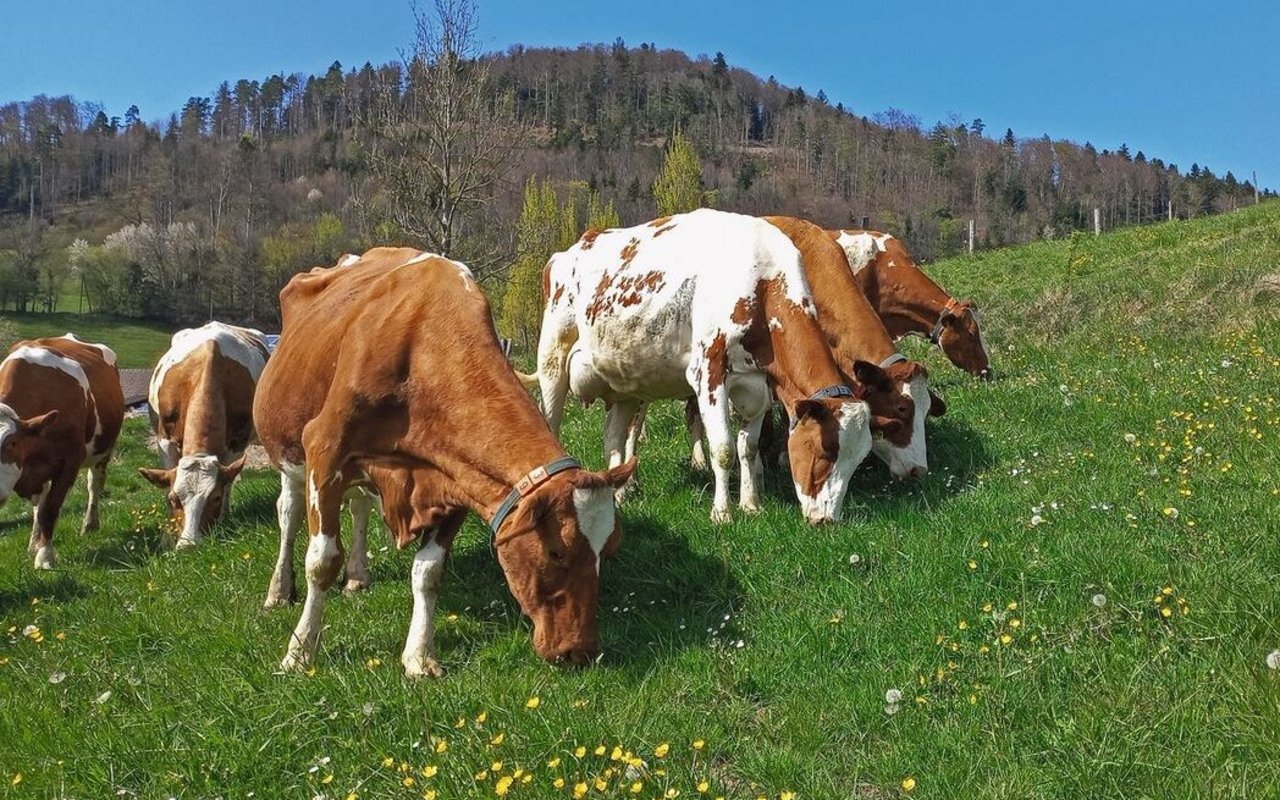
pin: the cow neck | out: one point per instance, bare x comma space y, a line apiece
851, 326
801, 363
910, 302
205, 426
501, 439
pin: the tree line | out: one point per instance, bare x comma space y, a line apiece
493, 158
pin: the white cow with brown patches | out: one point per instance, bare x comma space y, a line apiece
61, 408
710, 304
201, 398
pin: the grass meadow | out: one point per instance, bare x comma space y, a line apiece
1078, 601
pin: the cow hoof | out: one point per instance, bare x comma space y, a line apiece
45, 558
294, 661
277, 601
185, 544
354, 585
698, 462
89, 527
721, 516
425, 668
751, 508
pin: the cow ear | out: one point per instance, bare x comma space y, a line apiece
160, 477
869, 374
38, 424
885, 426
937, 406
231, 471
811, 409
619, 475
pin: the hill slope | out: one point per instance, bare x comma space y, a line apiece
1078, 601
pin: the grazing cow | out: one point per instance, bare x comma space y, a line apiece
201, 399
896, 389
910, 302
389, 375
710, 304
61, 408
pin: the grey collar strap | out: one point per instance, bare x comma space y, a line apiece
536, 477
891, 360
836, 390
937, 326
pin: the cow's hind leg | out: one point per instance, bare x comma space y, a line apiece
358, 577
97, 478
554, 343
693, 423
714, 408
749, 466
289, 508
419, 656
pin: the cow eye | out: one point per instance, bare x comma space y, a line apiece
555, 554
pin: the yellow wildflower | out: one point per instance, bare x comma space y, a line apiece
703, 786
503, 785
553, 763
497, 740
430, 771
408, 781
532, 702
637, 787
558, 783
661, 750
580, 751
388, 761
496, 766
442, 745
908, 784
599, 750
698, 744
579, 789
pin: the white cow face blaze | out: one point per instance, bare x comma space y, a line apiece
197, 491
828, 442
911, 460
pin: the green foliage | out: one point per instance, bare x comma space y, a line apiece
296, 247
679, 185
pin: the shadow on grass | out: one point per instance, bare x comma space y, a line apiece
59, 586
658, 597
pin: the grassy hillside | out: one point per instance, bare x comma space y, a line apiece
1078, 601
138, 344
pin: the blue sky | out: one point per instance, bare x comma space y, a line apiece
1187, 82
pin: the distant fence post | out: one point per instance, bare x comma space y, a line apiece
1097, 222
1255, 187
970, 237
1171, 209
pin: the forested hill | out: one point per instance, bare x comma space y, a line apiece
211, 209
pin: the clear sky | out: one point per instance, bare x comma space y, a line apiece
1183, 81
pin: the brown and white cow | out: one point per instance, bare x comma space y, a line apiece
389, 374
895, 389
710, 304
201, 399
61, 407
910, 302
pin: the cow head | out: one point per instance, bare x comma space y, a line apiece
18, 438
961, 339
550, 549
197, 490
900, 399
828, 440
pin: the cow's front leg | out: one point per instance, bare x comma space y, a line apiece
358, 577
620, 421
289, 508
325, 486
749, 465
419, 656
97, 479
47, 508
714, 407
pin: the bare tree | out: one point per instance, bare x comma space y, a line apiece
443, 143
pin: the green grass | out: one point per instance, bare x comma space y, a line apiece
138, 344
762, 638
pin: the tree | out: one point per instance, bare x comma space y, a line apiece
443, 148
679, 186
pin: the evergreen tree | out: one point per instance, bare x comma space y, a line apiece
679, 185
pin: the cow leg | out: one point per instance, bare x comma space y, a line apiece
558, 335
749, 466
46, 518
325, 488
714, 407
419, 656
358, 577
96, 480
618, 425
289, 508
693, 423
